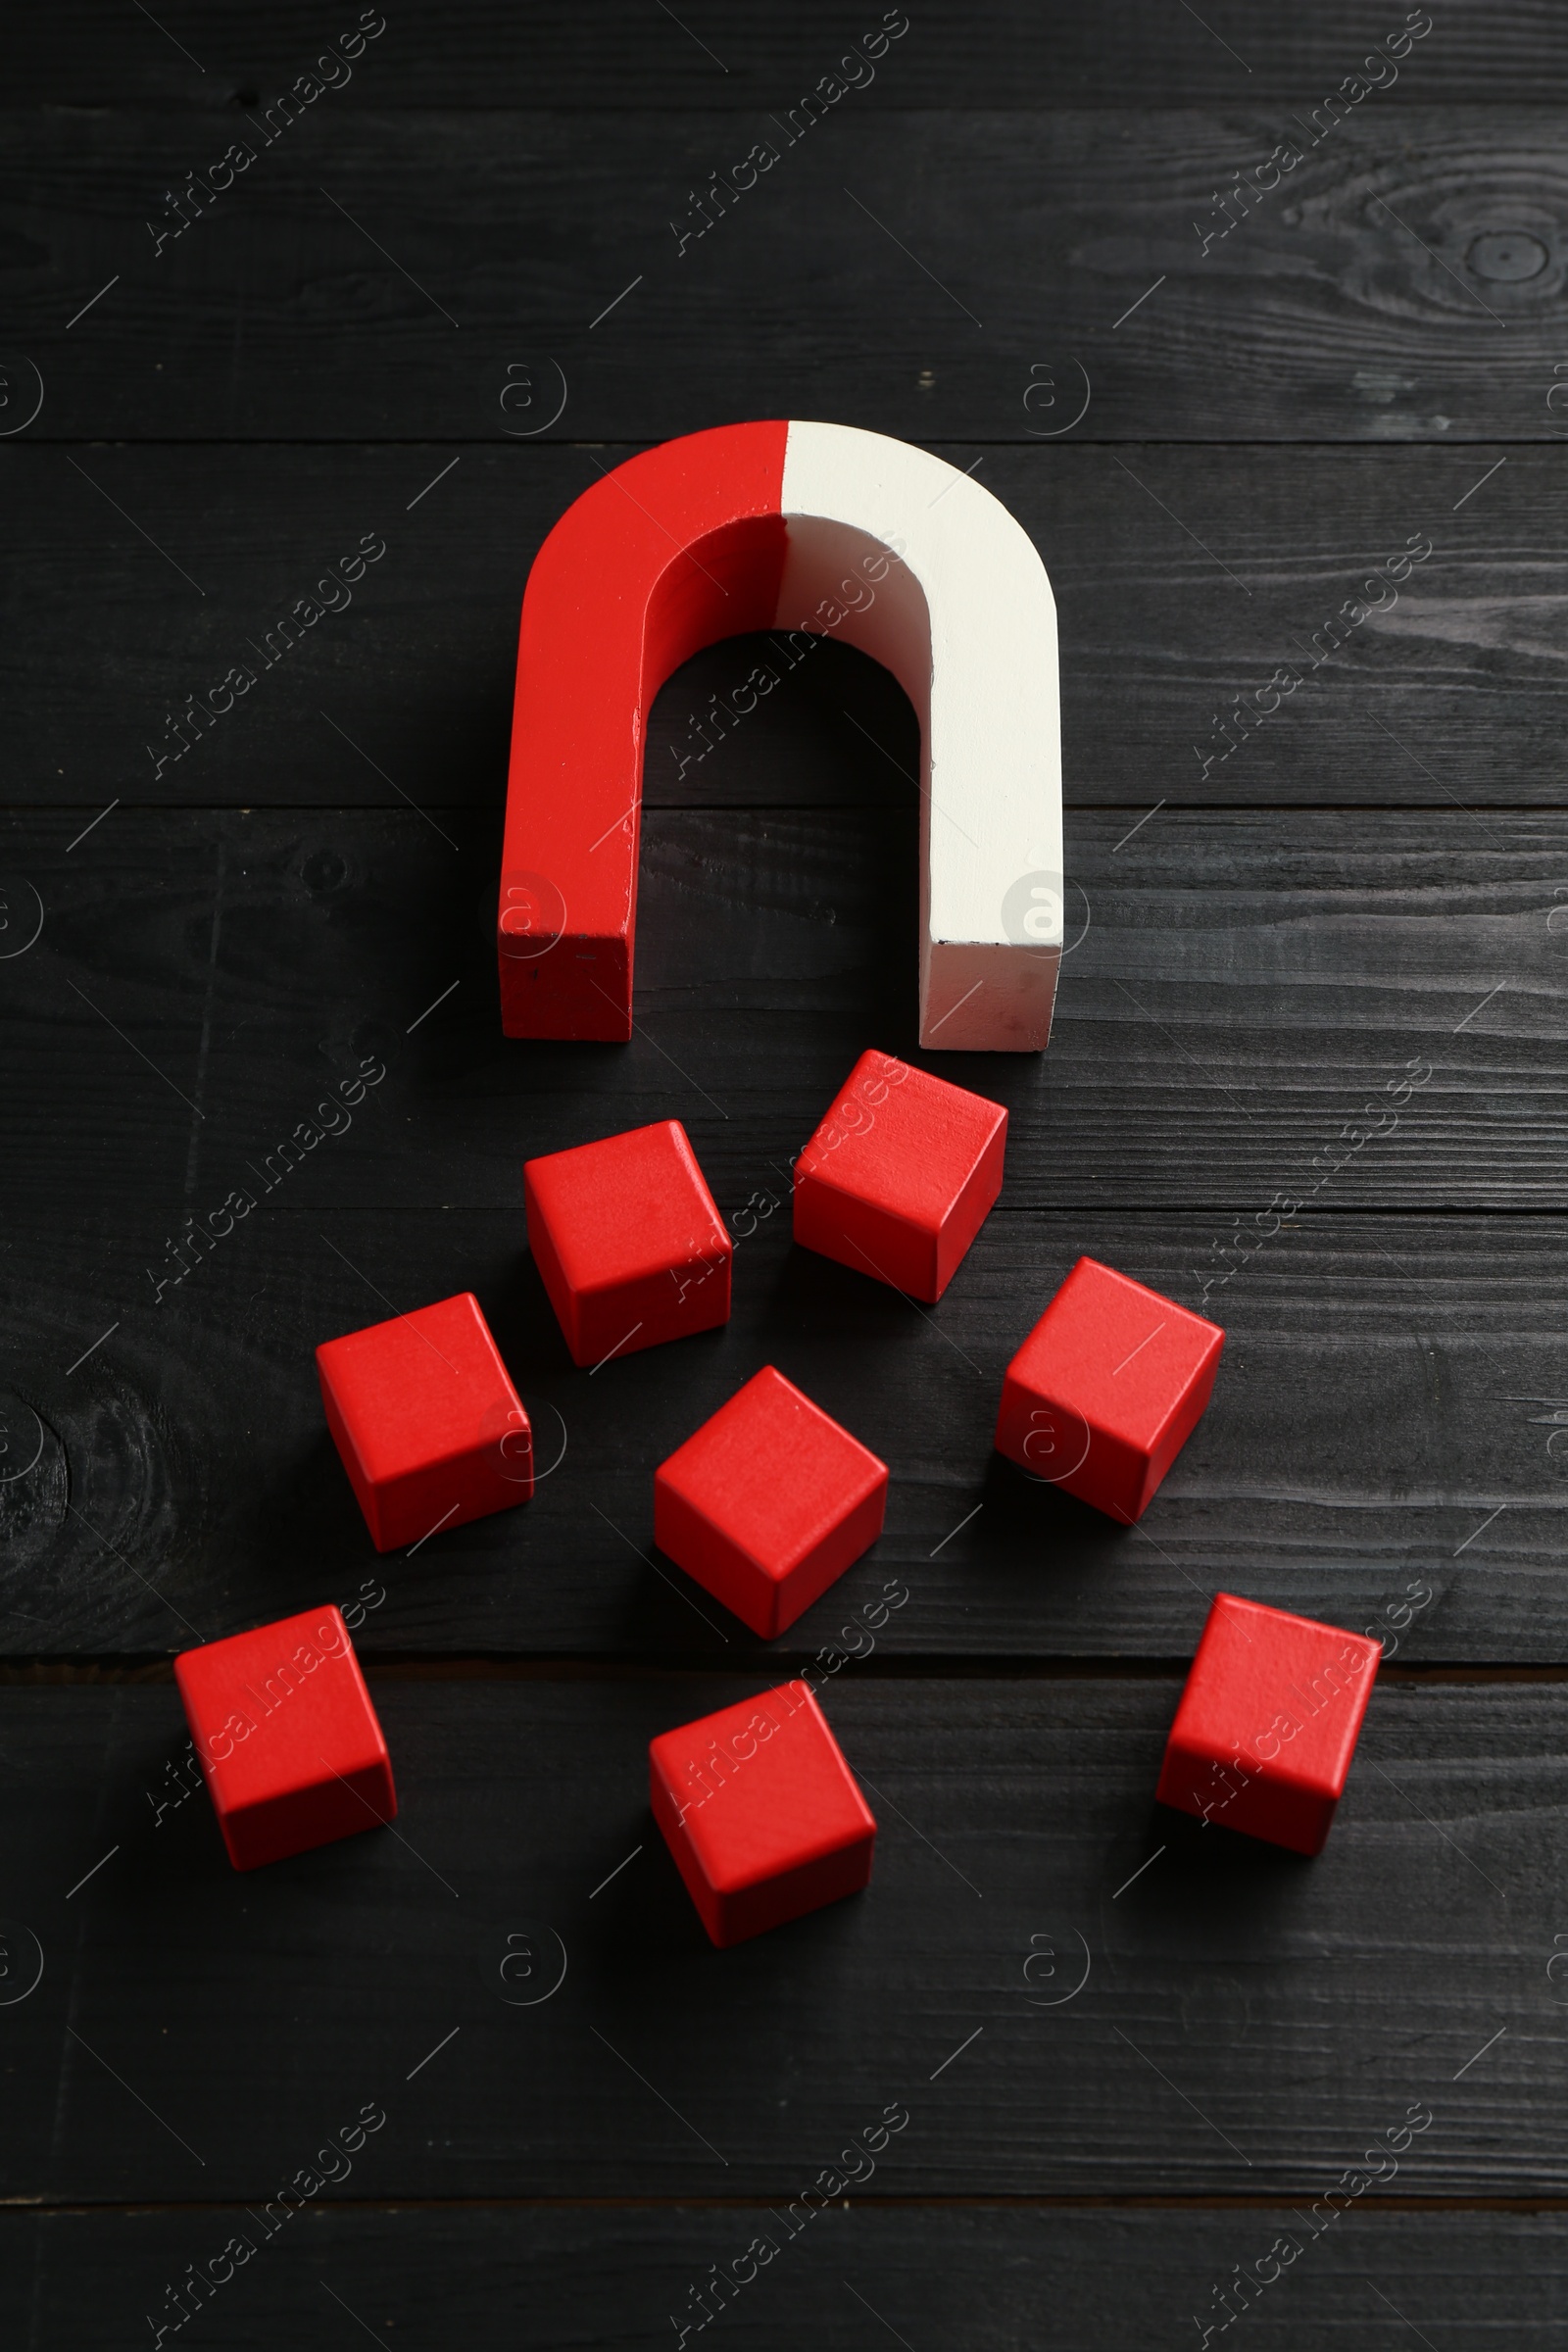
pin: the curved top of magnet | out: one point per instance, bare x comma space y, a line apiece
788, 525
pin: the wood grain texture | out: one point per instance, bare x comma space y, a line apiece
1250, 1002
1185, 580
1381, 1451
988, 54
1303, 2008
990, 2277
1231, 1025
376, 274
431, 311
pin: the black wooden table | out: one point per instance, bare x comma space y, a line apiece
1139, 2070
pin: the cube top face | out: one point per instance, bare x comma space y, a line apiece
1122, 1356
427, 1388
773, 1473
281, 1709
760, 1788
1280, 1697
901, 1141
627, 1208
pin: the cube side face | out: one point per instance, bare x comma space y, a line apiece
1027, 1431
470, 1486
1113, 1477
1185, 1416
837, 1550
680, 1300
761, 1811
685, 1533
1283, 1814
557, 1290
869, 1239
767, 1603
667, 1812
1048, 1437
320, 1815
1191, 1779
735, 1916
973, 1204
1258, 1804
773, 1902
366, 1492
281, 1720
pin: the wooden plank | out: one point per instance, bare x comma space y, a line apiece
1393, 1381
1301, 2009
990, 2277
983, 54
1381, 1449
1446, 694
377, 275
1238, 991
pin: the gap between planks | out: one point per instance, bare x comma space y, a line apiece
1264, 2201
1256, 810
79, 1673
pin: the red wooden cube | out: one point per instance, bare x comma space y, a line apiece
898, 1179
430, 1428
769, 1503
1268, 1723
629, 1242
761, 1812
286, 1738
1108, 1389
